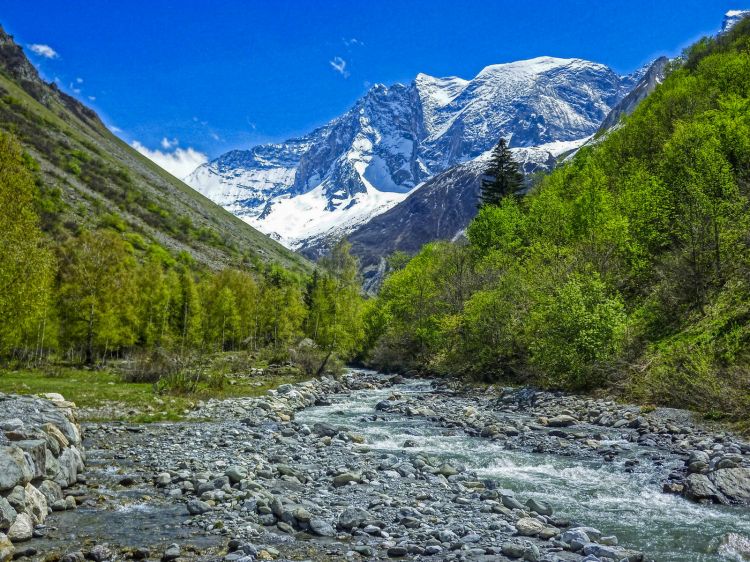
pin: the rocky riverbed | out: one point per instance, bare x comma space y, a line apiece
372, 467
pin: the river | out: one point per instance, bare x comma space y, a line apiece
606, 495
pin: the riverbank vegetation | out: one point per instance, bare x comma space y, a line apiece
626, 268
105, 295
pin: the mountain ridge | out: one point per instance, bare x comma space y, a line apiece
91, 176
314, 188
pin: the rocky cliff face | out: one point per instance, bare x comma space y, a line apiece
307, 191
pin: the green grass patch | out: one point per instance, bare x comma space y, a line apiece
104, 396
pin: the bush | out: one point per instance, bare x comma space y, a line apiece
576, 333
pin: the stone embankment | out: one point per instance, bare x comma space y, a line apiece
40, 456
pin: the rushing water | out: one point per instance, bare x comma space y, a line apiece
630, 505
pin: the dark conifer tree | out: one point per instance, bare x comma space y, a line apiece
503, 176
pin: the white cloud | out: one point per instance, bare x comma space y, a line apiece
92, 98
44, 51
115, 129
353, 42
166, 143
339, 65
180, 162
79, 80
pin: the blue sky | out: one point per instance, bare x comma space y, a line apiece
213, 76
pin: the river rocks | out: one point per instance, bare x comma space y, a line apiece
7, 514
99, 553
198, 507
171, 553
447, 470
727, 485
540, 507
14, 468
324, 430
529, 527
36, 504
6, 548
305, 484
733, 546
322, 527
562, 421
346, 478
352, 517
733, 483
22, 528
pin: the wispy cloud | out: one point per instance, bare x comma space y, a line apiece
166, 143
43, 51
180, 162
352, 42
339, 65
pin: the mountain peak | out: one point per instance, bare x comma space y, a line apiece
397, 137
732, 17
538, 65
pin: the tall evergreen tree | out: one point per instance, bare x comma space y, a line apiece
503, 176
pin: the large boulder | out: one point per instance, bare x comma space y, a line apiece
563, 420
529, 527
36, 504
352, 517
14, 468
6, 548
7, 514
698, 487
734, 483
22, 528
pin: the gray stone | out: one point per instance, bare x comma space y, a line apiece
512, 550
14, 468
163, 479
51, 490
22, 528
529, 527
734, 483
562, 421
197, 507
36, 450
324, 430
447, 536
7, 514
344, 479
171, 553
575, 535
447, 470
6, 548
352, 517
321, 527
698, 487
236, 474
100, 553
36, 504
540, 507
511, 503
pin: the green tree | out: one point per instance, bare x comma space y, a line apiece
503, 176
26, 265
98, 293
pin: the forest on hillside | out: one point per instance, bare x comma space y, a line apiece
627, 268
107, 293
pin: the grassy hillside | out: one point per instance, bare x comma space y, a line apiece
628, 268
89, 178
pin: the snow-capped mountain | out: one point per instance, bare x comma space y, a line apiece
361, 164
732, 17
